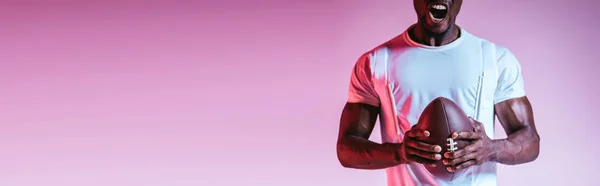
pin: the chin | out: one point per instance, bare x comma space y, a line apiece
436, 28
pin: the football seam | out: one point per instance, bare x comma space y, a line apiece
448, 127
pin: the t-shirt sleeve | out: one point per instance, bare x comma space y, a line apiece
510, 81
361, 83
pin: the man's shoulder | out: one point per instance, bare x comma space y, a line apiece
382, 49
370, 56
503, 56
501, 52
374, 60
499, 49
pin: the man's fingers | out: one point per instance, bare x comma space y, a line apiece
424, 146
416, 133
460, 153
421, 160
460, 160
423, 154
467, 136
477, 126
462, 166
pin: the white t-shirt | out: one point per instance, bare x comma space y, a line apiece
402, 77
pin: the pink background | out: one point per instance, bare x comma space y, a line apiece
184, 93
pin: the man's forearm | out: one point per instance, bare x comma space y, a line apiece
520, 147
360, 153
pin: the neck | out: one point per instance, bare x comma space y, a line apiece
423, 36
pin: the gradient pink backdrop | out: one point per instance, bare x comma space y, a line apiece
188, 93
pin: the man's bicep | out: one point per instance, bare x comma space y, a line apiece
358, 119
515, 114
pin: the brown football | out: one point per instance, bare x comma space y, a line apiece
441, 118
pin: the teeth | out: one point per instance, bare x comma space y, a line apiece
439, 7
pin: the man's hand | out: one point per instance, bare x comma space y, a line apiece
414, 150
480, 150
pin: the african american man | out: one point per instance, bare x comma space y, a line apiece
436, 58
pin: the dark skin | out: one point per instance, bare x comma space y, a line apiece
436, 33
521, 146
355, 150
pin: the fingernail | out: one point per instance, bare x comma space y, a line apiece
447, 155
437, 149
438, 157
433, 165
426, 133
445, 162
449, 169
454, 135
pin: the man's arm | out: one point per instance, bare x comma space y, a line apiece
514, 111
354, 150
522, 144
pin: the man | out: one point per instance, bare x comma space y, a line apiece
436, 58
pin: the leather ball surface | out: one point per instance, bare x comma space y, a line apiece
441, 118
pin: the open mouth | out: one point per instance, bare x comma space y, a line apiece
438, 12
